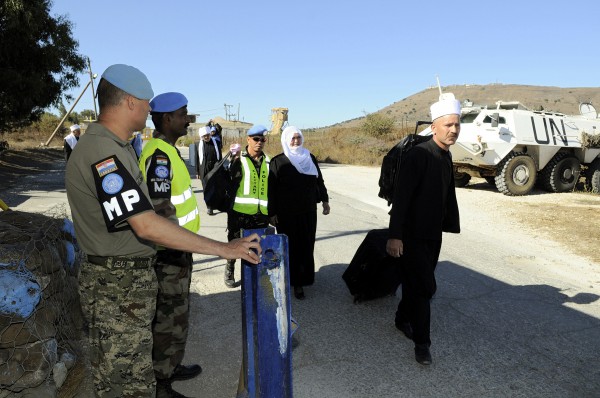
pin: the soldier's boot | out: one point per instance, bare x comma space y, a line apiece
229, 271
165, 390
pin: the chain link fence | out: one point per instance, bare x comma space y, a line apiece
40, 323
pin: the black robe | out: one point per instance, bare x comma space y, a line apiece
293, 198
210, 158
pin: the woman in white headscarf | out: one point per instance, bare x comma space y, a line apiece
295, 187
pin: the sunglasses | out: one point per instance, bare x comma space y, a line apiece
257, 139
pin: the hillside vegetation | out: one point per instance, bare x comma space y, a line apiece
554, 99
364, 141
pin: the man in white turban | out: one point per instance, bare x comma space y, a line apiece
424, 206
71, 140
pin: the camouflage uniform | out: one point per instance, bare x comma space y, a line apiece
118, 285
170, 326
118, 305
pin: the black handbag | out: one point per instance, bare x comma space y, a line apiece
218, 190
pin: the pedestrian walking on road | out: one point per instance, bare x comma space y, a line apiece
71, 140
117, 228
424, 206
295, 187
209, 153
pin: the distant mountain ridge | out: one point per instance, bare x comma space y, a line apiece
553, 99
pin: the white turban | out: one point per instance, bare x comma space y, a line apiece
447, 105
75, 127
204, 131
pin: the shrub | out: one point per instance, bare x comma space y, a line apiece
377, 125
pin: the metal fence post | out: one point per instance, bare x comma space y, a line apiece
267, 356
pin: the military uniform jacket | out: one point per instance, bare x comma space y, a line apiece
105, 187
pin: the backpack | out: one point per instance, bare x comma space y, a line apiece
391, 164
218, 191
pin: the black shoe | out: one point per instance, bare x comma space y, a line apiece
229, 272
299, 292
210, 212
405, 328
422, 354
165, 390
186, 372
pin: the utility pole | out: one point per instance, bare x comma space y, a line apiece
228, 113
92, 77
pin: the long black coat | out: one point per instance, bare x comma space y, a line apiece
425, 203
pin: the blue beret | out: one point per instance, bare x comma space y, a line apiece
257, 129
168, 102
130, 80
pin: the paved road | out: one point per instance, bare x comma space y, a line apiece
515, 315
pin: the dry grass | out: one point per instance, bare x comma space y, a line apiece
339, 145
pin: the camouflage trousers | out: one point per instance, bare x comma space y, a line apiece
118, 301
170, 326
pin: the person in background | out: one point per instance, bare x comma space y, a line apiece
249, 171
295, 187
117, 229
71, 140
216, 131
169, 185
137, 143
424, 206
209, 153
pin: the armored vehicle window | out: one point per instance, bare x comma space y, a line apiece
488, 119
468, 117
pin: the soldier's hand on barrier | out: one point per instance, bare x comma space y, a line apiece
247, 248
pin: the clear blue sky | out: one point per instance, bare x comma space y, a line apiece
330, 61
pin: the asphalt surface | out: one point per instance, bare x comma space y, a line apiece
515, 315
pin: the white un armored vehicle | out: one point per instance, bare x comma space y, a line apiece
514, 148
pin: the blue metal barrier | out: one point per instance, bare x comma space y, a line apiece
267, 358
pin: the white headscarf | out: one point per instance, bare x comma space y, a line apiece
206, 131
298, 156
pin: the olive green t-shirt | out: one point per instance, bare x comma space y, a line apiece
104, 188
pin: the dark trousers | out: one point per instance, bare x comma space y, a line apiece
418, 286
171, 321
238, 221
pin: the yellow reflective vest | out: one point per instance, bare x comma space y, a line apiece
182, 196
251, 197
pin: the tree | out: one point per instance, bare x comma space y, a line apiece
87, 114
377, 125
38, 61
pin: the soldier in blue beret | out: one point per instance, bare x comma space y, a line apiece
118, 228
170, 189
249, 172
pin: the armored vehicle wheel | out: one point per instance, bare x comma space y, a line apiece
517, 174
461, 179
592, 176
561, 173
